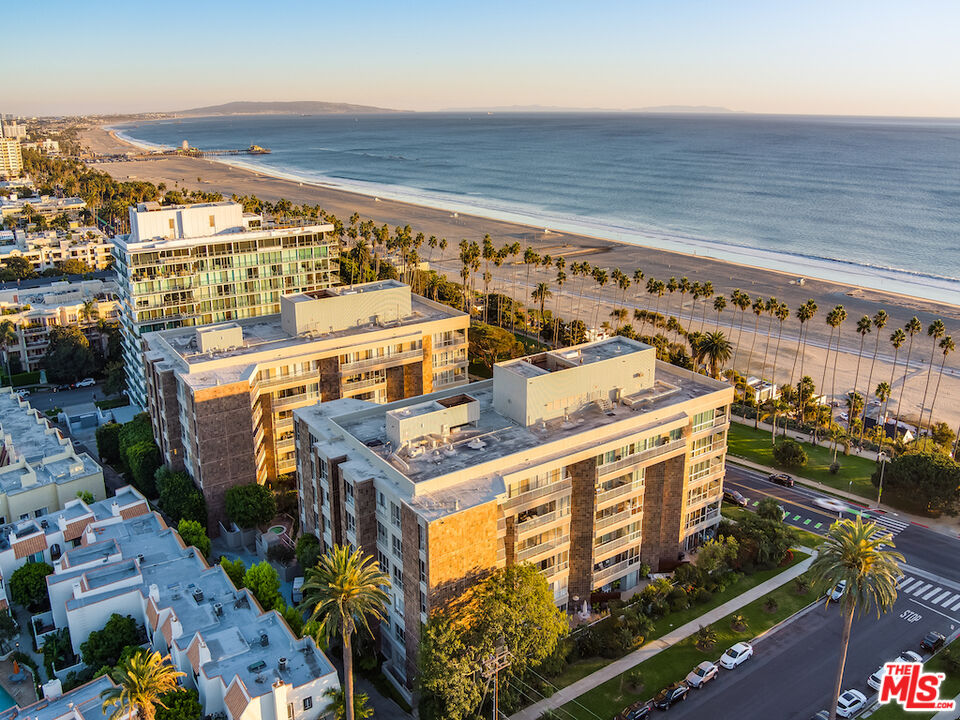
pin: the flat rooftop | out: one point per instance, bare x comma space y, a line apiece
586, 354
81, 702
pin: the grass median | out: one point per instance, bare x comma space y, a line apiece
674, 663
854, 474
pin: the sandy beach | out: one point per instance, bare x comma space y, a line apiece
210, 175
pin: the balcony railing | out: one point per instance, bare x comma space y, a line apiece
620, 517
706, 520
612, 572
285, 379
552, 545
555, 569
381, 360
721, 420
617, 543
540, 492
716, 467
642, 456
538, 521
459, 340
707, 449
365, 383
294, 400
605, 496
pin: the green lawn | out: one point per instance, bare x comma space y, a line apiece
949, 689
855, 471
582, 668
675, 662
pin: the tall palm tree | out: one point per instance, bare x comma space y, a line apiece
912, 327
758, 310
781, 313
717, 350
561, 279
540, 294
772, 408
489, 252
946, 347
658, 288
833, 320
741, 301
601, 278
934, 332
879, 322
140, 683
341, 592
683, 286
584, 273
338, 703
706, 292
805, 313
638, 277
858, 554
719, 305
864, 325
883, 395
897, 338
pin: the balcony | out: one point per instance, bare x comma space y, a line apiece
541, 493
613, 572
550, 546
616, 544
605, 496
287, 379
642, 456
716, 468
365, 383
278, 404
707, 449
624, 517
555, 569
539, 521
380, 361
721, 420
708, 519
459, 340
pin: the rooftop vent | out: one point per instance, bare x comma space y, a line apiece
44, 523
282, 664
218, 609
140, 558
198, 595
264, 639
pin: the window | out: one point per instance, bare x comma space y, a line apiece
381, 500
351, 523
422, 531
307, 703
39, 511
423, 601
289, 711
348, 491
398, 631
323, 469
213, 222
395, 514
25, 516
381, 533
170, 222
384, 562
397, 547
397, 578
423, 571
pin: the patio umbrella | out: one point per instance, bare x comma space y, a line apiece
16, 668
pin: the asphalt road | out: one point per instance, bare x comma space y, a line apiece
793, 669
46, 400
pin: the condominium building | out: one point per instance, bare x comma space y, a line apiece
221, 397
243, 662
42, 204
40, 471
11, 158
80, 703
188, 265
35, 311
46, 250
586, 462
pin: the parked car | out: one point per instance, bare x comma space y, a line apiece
907, 656
737, 655
735, 497
702, 674
932, 642
638, 711
837, 592
86, 382
670, 695
781, 479
850, 703
65, 386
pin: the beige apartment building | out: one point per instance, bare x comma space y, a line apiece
48, 249
221, 397
585, 461
11, 158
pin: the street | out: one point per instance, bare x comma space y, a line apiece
793, 669
46, 400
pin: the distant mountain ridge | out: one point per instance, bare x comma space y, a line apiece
692, 109
301, 107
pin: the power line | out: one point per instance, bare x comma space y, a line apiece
536, 700
498, 660
574, 700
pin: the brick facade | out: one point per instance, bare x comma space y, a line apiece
582, 513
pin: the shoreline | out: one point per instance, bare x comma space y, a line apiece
795, 266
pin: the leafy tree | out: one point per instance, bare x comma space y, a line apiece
104, 647
179, 705
19, 268
337, 700
308, 550
74, 267
788, 453
235, 570
28, 586
293, 617
8, 628
491, 344
193, 533
179, 497
763, 541
108, 443
341, 592
141, 685
931, 480
770, 509
717, 555
144, 461
942, 435
69, 357
250, 505
115, 377
262, 580
860, 555
136, 431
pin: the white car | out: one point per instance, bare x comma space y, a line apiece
837, 591
86, 382
702, 674
850, 703
907, 656
737, 655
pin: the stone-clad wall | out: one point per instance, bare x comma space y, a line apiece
662, 501
462, 548
410, 535
582, 514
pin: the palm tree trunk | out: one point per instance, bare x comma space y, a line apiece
876, 347
926, 386
823, 382
776, 355
903, 385
886, 403
766, 347
844, 642
933, 401
348, 675
856, 382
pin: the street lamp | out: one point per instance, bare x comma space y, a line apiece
882, 459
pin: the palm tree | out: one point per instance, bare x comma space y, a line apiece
540, 294
338, 703
489, 252
864, 325
946, 347
879, 322
858, 554
707, 293
658, 288
741, 301
717, 350
758, 310
140, 683
89, 311
804, 313
837, 435
912, 327
883, 395
781, 313
341, 591
934, 332
8, 337
601, 278
719, 304
561, 279
834, 318
584, 273
773, 407
897, 338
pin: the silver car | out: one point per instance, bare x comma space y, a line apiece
702, 674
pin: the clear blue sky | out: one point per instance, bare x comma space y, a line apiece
879, 57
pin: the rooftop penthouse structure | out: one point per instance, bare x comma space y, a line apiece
191, 265
587, 462
221, 397
39, 469
242, 661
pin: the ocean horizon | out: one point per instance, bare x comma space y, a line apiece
867, 201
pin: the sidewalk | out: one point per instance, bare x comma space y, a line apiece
608, 672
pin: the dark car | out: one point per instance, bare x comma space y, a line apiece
675, 693
932, 642
637, 711
735, 497
781, 479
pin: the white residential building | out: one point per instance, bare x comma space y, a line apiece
45, 250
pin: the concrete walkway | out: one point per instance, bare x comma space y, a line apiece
608, 672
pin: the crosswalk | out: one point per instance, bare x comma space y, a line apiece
922, 589
888, 524
818, 523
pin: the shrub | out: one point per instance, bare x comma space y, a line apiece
179, 497
678, 599
25, 378
770, 605
738, 622
687, 574
706, 638
136, 431
801, 585
144, 461
108, 443
834, 467
104, 647
28, 586
635, 680
250, 505
702, 595
788, 453
308, 550
235, 570
193, 533
262, 580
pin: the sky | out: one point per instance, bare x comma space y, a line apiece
837, 57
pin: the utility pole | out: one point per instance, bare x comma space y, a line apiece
498, 660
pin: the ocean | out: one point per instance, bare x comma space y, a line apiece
870, 201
